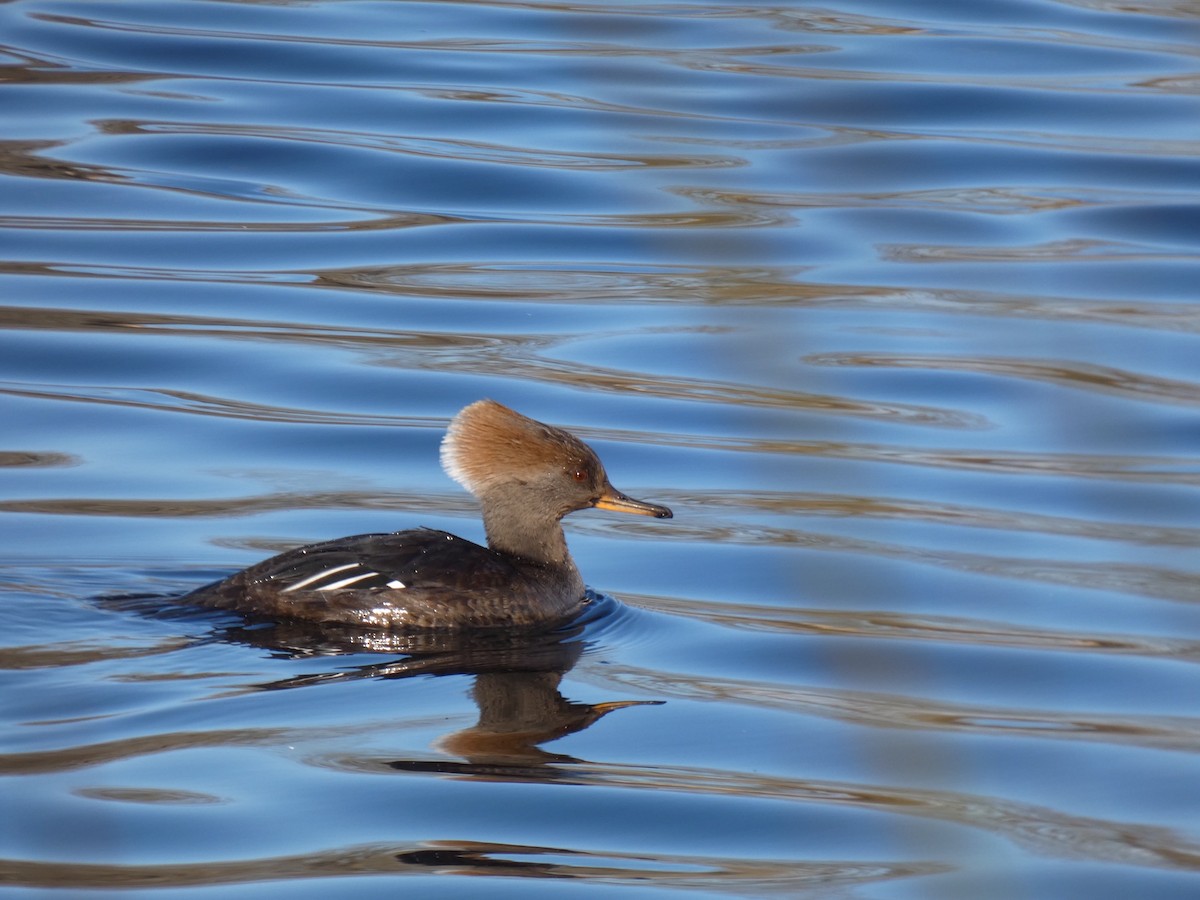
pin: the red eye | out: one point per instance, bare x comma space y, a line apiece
580, 475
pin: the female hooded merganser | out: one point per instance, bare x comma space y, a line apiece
526, 475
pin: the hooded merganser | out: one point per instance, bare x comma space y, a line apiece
526, 475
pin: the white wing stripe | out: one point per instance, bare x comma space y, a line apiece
305, 582
346, 581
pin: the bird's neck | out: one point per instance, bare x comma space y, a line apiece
519, 529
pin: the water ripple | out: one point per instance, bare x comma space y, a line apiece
735, 876
1073, 374
889, 625
897, 711
894, 305
1044, 830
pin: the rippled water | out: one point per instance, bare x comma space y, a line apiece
895, 303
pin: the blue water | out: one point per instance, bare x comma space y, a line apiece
894, 303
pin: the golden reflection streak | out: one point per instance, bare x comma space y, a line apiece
889, 625
899, 711
37, 459
740, 877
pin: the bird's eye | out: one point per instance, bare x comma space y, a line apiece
580, 474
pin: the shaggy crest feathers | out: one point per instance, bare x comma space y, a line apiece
488, 442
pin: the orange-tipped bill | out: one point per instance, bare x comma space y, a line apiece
614, 500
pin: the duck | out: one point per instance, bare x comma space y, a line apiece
526, 476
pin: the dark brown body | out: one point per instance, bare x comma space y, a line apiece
450, 583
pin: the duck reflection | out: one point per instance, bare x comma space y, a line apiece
517, 680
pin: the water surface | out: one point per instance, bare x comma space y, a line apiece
894, 303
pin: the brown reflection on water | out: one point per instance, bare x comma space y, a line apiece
153, 796
595, 284
84, 756
38, 70
739, 877
988, 201
375, 223
26, 159
457, 150
1092, 251
516, 681
36, 459
78, 653
388, 221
